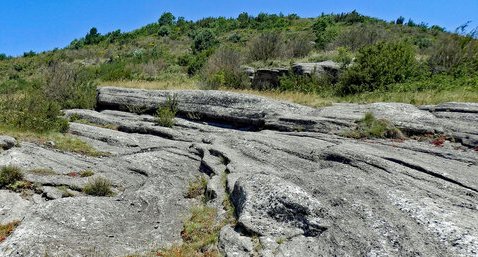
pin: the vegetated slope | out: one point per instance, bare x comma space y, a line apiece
212, 50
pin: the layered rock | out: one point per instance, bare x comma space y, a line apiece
299, 188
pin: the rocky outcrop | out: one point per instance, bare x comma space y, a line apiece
268, 78
299, 188
319, 69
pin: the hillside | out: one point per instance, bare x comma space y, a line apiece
174, 140
208, 53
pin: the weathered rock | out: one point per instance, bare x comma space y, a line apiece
267, 205
299, 188
7, 142
268, 78
320, 69
233, 244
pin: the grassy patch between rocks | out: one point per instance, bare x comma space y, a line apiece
43, 171
371, 127
7, 229
197, 187
200, 234
62, 142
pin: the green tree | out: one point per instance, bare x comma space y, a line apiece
93, 37
400, 20
204, 40
167, 19
323, 31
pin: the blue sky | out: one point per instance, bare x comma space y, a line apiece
40, 25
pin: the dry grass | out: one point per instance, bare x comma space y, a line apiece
62, 142
418, 97
7, 229
167, 84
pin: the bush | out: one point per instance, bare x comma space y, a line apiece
223, 69
9, 175
204, 40
32, 111
266, 46
362, 35
380, 65
299, 46
98, 187
69, 86
165, 114
305, 83
453, 54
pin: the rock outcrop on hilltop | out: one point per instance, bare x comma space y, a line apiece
298, 186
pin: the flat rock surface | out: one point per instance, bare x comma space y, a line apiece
298, 186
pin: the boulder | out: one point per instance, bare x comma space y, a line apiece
268, 78
320, 69
7, 142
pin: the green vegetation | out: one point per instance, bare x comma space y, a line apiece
371, 127
86, 173
98, 187
197, 187
9, 175
7, 229
42, 171
166, 113
200, 232
401, 60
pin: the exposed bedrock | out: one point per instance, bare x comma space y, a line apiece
298, 187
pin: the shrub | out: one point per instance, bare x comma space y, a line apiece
32, 111
362, 35
455, 55
165, 114
380, 65
266, 46
371, 127
98, 187
164, 31
305, 83
69, 87
204, 40
223, 69
9, 175
299, 46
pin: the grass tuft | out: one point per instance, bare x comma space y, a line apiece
86, 173
98, 187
